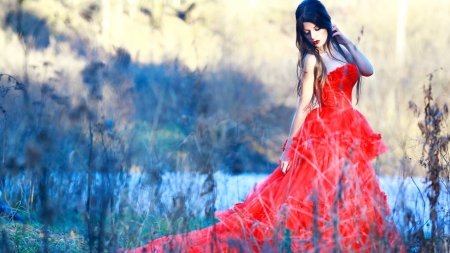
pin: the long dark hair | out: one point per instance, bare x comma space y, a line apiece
314, 11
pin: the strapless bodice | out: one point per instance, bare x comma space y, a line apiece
337, 90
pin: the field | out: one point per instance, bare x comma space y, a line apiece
95, 94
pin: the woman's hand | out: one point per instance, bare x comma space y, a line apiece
284, 163
363, 64
339, 36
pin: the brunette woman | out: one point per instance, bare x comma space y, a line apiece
325, 195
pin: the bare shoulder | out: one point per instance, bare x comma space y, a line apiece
309, 63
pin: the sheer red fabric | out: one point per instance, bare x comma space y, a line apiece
330, 199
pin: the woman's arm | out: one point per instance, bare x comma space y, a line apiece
361, 61
302, 107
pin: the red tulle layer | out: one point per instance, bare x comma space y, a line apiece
330, 199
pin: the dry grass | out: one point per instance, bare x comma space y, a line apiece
195, 90
259, 40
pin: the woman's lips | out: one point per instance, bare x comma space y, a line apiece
316, 42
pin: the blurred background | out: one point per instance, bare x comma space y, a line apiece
242, 52
95, 92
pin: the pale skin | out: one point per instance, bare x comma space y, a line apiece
315, 34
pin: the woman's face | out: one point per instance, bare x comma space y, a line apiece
315, 35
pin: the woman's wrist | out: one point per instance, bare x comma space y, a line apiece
349, 45
284, 145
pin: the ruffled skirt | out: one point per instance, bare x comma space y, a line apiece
330, 199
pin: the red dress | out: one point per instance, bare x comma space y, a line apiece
330, 199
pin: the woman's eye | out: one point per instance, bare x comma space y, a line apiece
306, 33
317, 29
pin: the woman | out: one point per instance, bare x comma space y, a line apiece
325, 195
